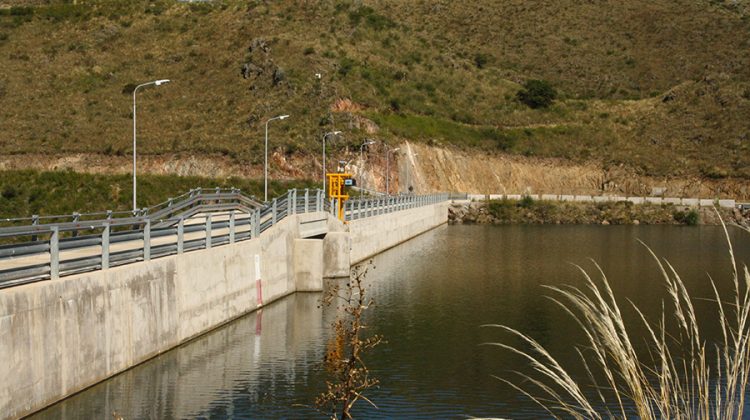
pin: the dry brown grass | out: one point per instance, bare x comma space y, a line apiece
63, 78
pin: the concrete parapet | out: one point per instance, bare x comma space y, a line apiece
567, 198
672, 200
635, 200
533, 196
376, 234
513, 196
308, 265
601, 198
729, 204
654, 200
705, 202
692, 202
476, 197
496, 196
336, 252
583, 198
550, 197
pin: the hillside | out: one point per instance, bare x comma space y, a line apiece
661, 87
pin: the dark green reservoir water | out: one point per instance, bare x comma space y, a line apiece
432, 294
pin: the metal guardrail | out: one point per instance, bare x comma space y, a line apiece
356, 209
40, 248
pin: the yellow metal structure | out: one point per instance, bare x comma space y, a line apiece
336, 184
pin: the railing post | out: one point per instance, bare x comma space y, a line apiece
34, 222
291, 202
180, 235
54, 253
208, 231
231, 227
147, 241
257, 223
273, 212
333, 209
76, 219
105, 246
307, 199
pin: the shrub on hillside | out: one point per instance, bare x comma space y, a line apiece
537, 94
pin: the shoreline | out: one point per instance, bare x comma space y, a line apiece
529, 211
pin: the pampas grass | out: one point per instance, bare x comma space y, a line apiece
683, 377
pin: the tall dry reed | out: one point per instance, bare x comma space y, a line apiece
683, 377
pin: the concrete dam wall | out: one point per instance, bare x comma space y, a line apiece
61, 336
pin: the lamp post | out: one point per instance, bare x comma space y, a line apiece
155, 83
388, 152
265, 167
361, 158
332, 133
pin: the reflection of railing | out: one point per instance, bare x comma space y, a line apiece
33, 249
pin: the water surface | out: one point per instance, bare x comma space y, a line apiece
432, 294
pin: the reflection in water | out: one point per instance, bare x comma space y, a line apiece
248, 366
431, 295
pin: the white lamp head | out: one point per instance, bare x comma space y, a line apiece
336, 133
283, 117
161, 82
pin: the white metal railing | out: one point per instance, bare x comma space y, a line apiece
201, 219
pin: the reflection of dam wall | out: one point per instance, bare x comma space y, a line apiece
58, 337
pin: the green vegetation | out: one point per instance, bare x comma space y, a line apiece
24, 193
690, 217
537, 94
422, 71
529, 211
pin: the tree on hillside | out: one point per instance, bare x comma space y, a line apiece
537, 94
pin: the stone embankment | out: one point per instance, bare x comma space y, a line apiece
527, 211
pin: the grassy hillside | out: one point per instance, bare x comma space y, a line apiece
24, 193
662, 86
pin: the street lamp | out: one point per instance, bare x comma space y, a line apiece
156, 83
361, 158
388, 152
332, 133
265, 170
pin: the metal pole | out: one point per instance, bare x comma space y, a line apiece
157, 83
387, 171
54, 253
180, 235
147, 241
105, 246
265, 168
208, 232
135, 206
231, 227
